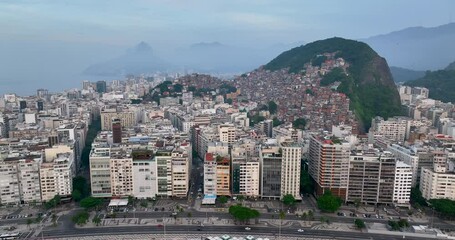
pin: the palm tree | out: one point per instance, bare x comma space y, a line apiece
282, 216
310, 215
96, 220
29, 222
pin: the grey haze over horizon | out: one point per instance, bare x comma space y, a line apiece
49, 44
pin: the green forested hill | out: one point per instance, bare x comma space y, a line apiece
440, 83
369, 86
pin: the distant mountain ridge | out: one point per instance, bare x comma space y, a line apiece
369, 86
418, 48
137, 60
404, 75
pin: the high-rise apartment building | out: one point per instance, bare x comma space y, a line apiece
290, 169
396, 128
101, 87
56, 176
270, 158
226, 133
328, 164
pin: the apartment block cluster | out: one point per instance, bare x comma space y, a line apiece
42, 138
238, 159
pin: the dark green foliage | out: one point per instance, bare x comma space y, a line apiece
299, 123
178, 87
306, 183
445, 207
93, 130
96, 220
80, 218
80, 188
242, 213
318, 60
226, 88
394, 225
403, 223
441, 84
416, 197
309, 91
53, 202
370, 86
90, 203
272, 107
336, 75
276, 122
136, 101
255, 119
359, 223
191, 89
288, 200
329, 203
229, 101
223, 199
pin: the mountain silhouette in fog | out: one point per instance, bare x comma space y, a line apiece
137, 60
417, 48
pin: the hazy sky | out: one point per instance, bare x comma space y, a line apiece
47, 43
240, 22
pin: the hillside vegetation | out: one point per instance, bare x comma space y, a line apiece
369, 85
441, 84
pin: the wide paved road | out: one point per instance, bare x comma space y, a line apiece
262, 231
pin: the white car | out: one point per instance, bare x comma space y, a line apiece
248, 228
300, 230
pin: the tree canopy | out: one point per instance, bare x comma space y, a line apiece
91, 202
288, 200
445, 207
329, 202
359, 223
242, 213
272, 106
299, 123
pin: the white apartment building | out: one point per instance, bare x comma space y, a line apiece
180, 173
402, 184
164, 169
9, 184
437, 184
210, 179
396, 128
121, 173
226, 133
56, 176
290, 169
100, 170
249, 179
145, 184
408, 156
127, 118
29, 183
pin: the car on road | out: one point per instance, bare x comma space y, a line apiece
248, 228
300, 230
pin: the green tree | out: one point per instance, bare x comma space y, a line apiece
310, 215
416, 197
306, 184
328, 202
76, 195
357, 203
91, 203
144, 204
240, 198
131, 200
96, 220
394, 225
273, 107
288, 200
228, 101
80, 218
223, 200
276, 122
53, 202
299, 123
445, 207
403, 223
243, 214
359, 223
29, 222
178, 87
80, 185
